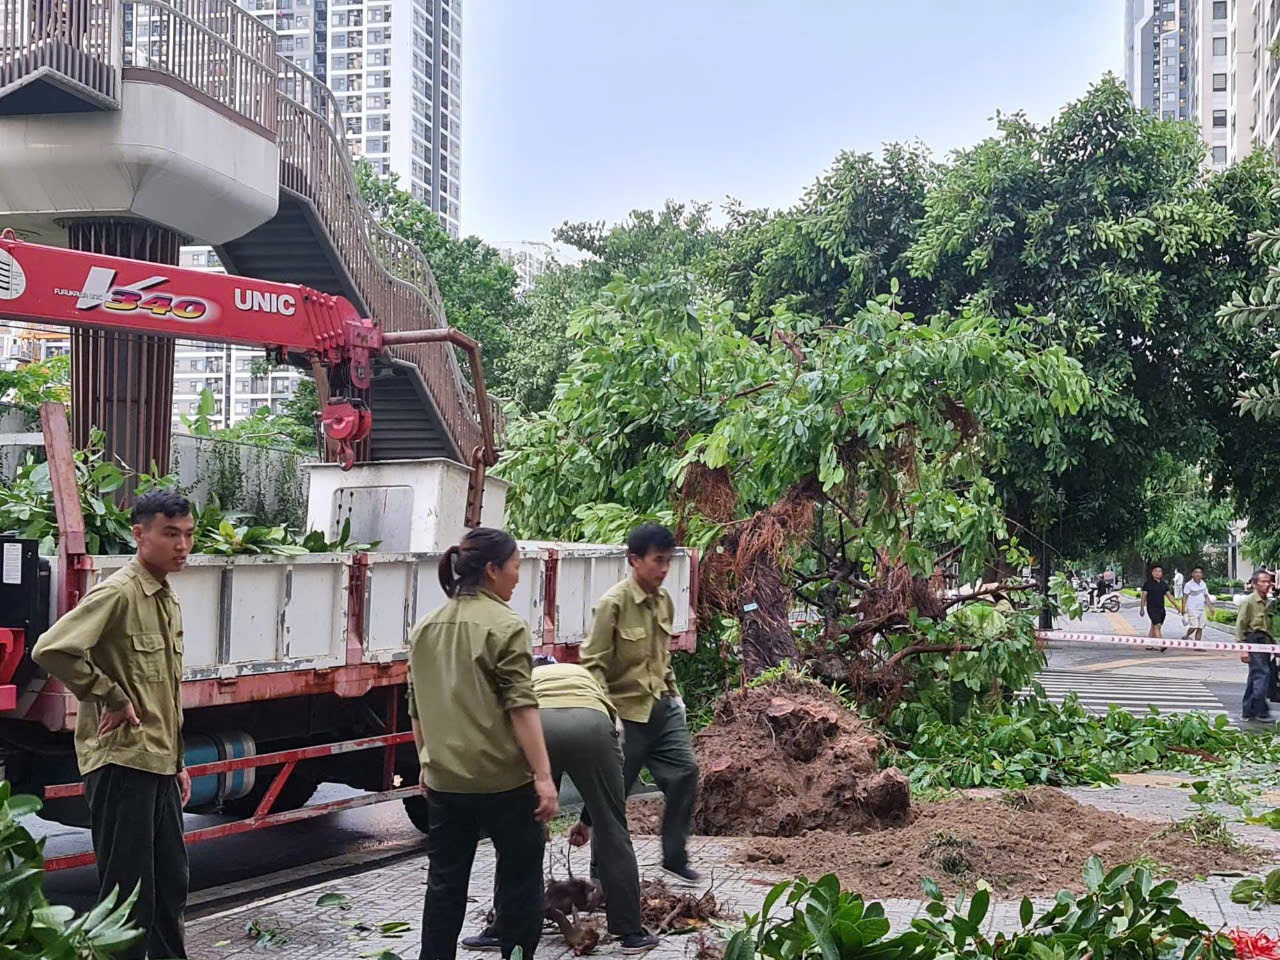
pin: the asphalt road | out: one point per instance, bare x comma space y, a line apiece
1223, 674
257, 864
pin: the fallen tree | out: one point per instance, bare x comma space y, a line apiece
841, 470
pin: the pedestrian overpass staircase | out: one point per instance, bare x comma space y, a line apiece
70, 64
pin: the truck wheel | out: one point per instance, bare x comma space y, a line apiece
416, 809
297, 791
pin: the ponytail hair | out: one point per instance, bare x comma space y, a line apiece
462, 566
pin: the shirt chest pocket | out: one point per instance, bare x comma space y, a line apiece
633, 648
147, 657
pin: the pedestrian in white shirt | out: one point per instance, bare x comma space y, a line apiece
1177, 584
1197, 603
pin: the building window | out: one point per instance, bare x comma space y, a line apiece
1219, 154
1219, 118
1220, 9
1219, 46
1219, 82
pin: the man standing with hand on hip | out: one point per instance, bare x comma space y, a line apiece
629, 654
120, 653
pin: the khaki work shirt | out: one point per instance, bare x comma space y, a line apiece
1254, 615
469, 666
569, 685
122, 644
629, 649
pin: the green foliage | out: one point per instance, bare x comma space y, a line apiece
1204, 828
709, 671
30, 927
26, 504
1125, 914
1258, 892
295, 429
27, 510
677, 240
35, 383
1183, 513
947, 686
840, 246
1102, 222
1033, 741
662, 382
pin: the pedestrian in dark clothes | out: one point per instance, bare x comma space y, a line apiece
1152, 601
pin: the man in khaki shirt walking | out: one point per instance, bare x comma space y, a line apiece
120, 653
629, 654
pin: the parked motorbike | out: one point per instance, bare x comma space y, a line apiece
1108, 602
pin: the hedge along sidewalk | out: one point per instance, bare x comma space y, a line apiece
394, 893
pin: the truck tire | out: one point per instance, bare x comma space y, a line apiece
416, 809
297, 791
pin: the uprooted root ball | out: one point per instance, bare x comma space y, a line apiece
788, 756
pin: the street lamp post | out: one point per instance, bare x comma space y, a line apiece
1046, 610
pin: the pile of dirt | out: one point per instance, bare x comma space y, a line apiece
1028, 843
787, 757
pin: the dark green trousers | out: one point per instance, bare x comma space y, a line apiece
583, 743
663, 745
136, 821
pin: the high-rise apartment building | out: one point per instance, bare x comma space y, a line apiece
395, 67
1227, 54
239, 378
529, 258
1156, 55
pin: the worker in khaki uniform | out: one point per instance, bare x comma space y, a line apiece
1254, 625
479, 739
580, 726
120, 652
629, 653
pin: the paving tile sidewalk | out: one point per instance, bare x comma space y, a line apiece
394, 893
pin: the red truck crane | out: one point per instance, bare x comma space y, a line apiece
298, 676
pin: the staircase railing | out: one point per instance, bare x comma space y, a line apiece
226, 55
393, 275
214, 47
74, 39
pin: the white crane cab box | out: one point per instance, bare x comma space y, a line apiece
404, 506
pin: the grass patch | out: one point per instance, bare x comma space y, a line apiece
1204, 828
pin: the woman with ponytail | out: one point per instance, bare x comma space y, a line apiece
479, 738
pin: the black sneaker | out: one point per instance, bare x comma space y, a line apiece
482, 944
685, 874
641, 942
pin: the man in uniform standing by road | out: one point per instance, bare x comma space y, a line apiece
120, 653
1253, 625
629, 654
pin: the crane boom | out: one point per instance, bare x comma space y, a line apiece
51, 285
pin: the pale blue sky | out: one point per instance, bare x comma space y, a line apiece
587, 109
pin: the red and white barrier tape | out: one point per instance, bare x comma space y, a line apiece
1171, 643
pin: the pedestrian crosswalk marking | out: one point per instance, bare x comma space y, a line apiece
1097, 692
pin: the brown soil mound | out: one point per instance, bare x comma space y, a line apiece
1029, 843
788, 757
